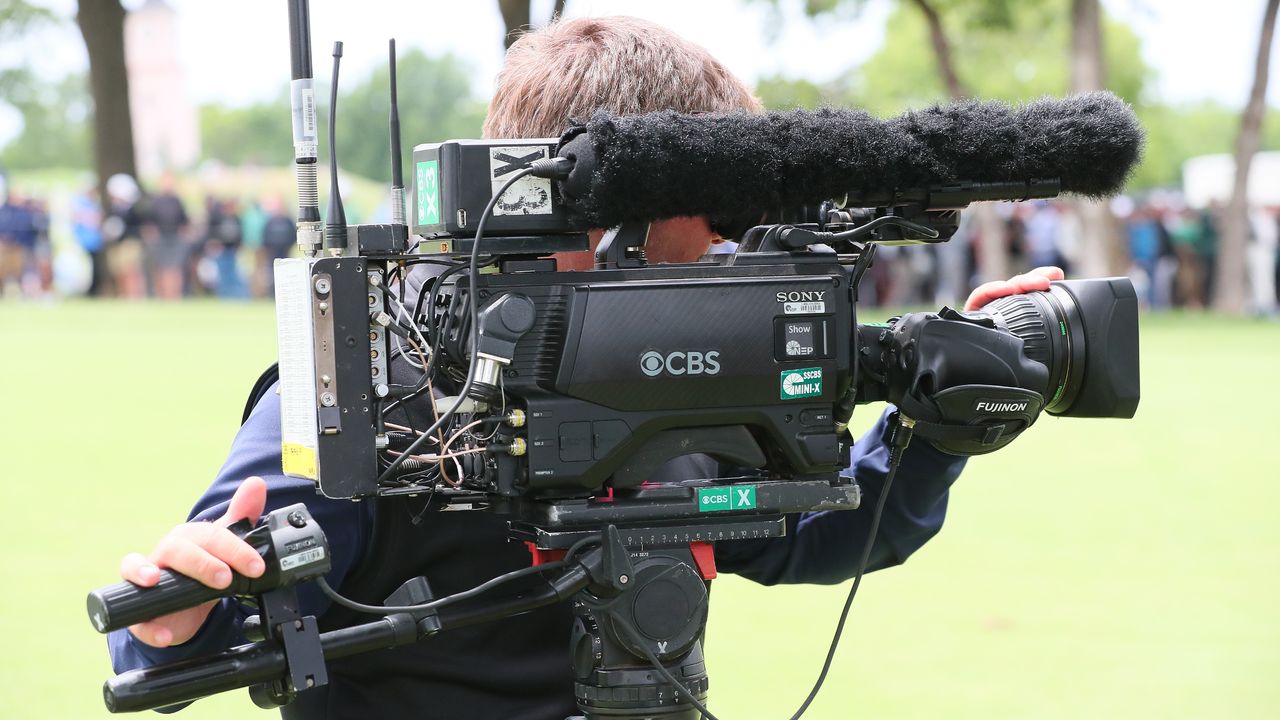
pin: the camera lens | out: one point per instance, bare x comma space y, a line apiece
1086, 333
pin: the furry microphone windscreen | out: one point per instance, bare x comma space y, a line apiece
669, 164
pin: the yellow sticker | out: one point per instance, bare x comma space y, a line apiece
298, 460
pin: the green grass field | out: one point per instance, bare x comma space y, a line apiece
1092, 569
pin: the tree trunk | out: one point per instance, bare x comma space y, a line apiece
1102, 248
942, 51
102, 25
1229, 283
557, 11
515, 15
1086, 46
990, 232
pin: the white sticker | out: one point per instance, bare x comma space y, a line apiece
296, 347
306, 557
804, 308
529, 195
309, 112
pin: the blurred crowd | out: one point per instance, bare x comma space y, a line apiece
150, 244
1170, 250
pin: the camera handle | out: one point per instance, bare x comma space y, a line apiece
623, 246
605, 569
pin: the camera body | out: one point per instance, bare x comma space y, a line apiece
580, 386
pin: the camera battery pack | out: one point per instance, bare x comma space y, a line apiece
453, 182
328, 377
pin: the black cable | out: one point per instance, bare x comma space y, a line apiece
900, 439
898, 443
456, 597
625, 624
434, 337
473, 280
435, 604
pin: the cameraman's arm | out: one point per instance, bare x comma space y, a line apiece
824, 547
256, 451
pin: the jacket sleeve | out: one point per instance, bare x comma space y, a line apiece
256, 451
824, 547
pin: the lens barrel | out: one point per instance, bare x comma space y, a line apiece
1086, 333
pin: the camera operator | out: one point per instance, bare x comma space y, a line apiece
518, 667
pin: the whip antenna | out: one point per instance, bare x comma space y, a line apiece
335, 230
303, 101
397, 171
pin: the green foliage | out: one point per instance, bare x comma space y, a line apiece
55, 121
435, 104
1023, 56
780, 93
17, 16
1015, 52
256, 134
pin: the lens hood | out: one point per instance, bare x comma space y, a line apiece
1101, 325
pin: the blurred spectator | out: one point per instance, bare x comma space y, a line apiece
222, 243
1144, 251
17, 240
1186, 232
122, 237
39, 281
1265, 223
86, 228
1040, 235
252, 222
1207, 245
165, 227
278, 238
954, 265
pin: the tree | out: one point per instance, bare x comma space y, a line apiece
54, 121
102, 25
1229, 285
516, 18
994, 251
439, 107
973, 42
1102, 248
941, 49
18, 16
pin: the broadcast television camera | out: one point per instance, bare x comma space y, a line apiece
555, 398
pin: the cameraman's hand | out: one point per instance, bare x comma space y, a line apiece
205, 551
1037, 279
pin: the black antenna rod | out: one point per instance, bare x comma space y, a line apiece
397, 171
305, 139
335, 229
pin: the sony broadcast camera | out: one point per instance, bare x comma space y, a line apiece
445, 354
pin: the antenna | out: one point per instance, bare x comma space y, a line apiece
335, 229
303, 101
397, 172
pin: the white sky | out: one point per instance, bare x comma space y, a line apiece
236, 51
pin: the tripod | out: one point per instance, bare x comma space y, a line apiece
638, 588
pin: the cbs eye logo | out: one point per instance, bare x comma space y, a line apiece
680, 362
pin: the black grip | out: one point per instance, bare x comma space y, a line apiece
123, 604
164, 685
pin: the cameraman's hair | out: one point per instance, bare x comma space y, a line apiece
570, 69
